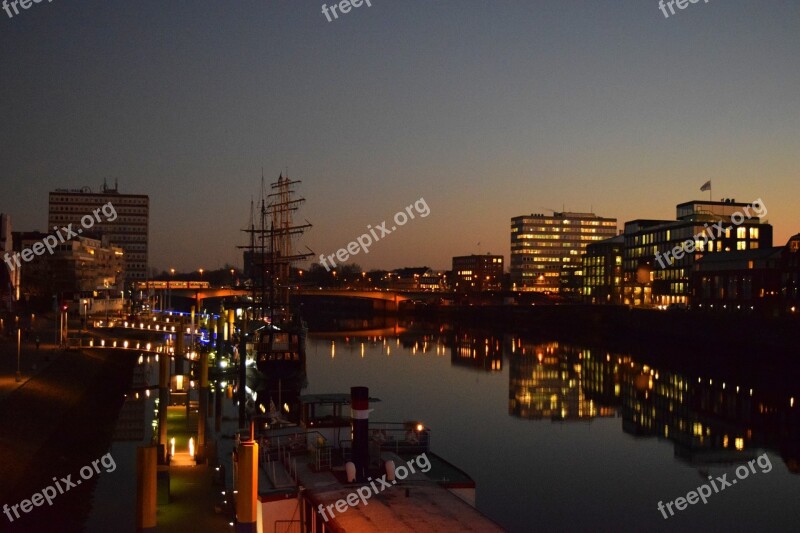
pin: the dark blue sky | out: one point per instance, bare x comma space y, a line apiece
487, 109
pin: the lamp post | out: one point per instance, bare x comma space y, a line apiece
169, 288
19, 347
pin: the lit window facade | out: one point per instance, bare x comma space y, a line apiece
544, 248
602, 271
477, 273
650, 282
129, 230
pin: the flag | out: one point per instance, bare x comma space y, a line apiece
706, 186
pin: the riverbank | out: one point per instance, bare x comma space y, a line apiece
621, 324
56, 422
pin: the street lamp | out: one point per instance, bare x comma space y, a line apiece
169, 288
19, 346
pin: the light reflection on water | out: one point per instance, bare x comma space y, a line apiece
566, 437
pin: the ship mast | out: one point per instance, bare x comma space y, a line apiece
276, 210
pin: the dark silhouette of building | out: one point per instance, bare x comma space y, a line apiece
763, 280
477, 273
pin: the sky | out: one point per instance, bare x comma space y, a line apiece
486, 109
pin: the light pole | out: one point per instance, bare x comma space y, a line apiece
169, 288
19, 347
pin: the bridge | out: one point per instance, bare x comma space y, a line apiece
380, 300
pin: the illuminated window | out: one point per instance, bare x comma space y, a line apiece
754, 233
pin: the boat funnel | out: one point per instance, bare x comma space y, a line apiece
359, 405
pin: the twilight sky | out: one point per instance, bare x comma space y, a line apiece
487, 109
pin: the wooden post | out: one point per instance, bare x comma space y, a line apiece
146, 468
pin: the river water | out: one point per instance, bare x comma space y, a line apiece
566, 437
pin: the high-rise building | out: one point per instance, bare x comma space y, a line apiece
659, 255
477, 273
128, 229
544, 247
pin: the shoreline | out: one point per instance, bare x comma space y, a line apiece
56, 422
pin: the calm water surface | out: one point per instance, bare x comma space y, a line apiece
564, 437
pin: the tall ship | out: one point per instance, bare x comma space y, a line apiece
278, 331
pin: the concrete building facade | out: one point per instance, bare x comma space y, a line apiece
544, 247
477, 273
128, 230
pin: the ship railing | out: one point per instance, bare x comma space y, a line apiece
287, 447
290, 464
400, 437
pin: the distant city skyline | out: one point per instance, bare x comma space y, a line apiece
488, 112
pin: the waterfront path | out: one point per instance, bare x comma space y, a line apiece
193, 494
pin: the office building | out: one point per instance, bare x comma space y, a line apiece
477, 273
655, 275
548, 249
602, 271
128, 230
